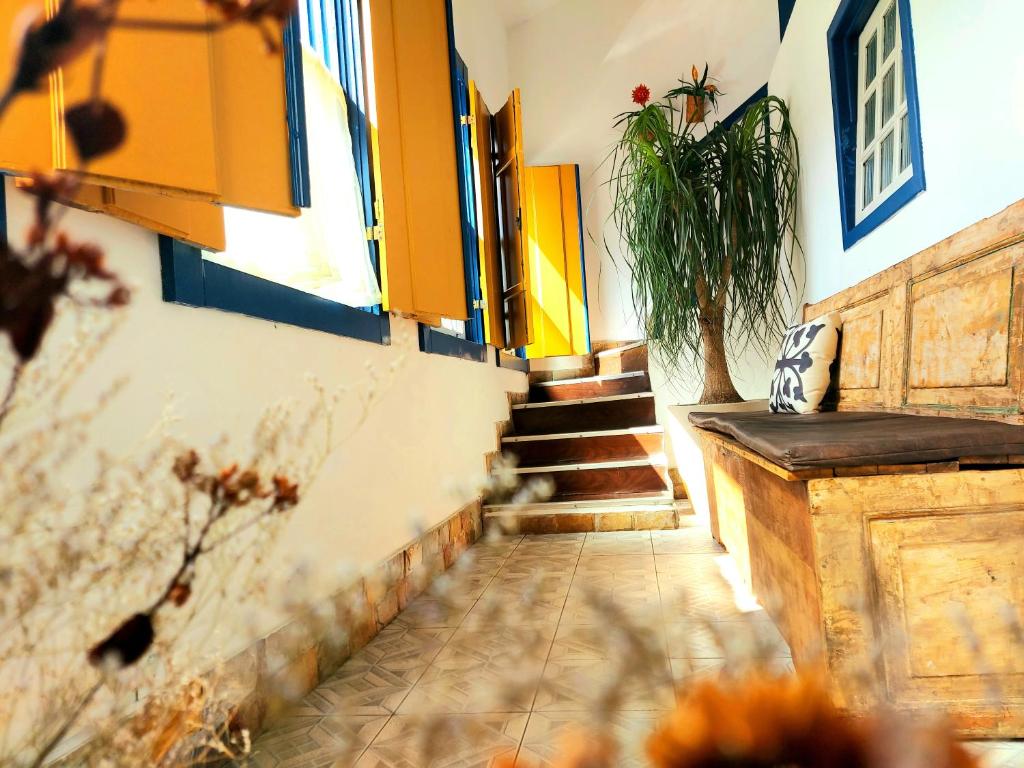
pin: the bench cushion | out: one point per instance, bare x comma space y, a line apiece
851, 438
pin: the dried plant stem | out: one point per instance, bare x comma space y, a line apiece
12, 387
68, 724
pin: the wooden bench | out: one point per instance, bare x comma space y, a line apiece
905, 581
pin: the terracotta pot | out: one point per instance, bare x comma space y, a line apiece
695, 108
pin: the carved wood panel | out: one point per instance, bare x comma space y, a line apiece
941, 332
948, 585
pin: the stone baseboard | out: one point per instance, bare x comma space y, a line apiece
285, 665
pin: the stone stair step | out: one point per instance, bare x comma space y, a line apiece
581, 447
584, 414
591, 386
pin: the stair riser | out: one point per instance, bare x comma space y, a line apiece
634, 359
583, 417
578, 450
608, 483
590, 389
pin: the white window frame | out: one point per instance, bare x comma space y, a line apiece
895, 125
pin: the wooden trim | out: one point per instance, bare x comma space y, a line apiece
817, 473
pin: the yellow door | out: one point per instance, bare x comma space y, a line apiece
557, 307
510, 184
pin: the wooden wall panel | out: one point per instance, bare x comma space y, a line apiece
942, 332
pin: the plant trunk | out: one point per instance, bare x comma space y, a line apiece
718, 387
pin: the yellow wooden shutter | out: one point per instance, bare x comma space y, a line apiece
557, 304
253, 149
25, 128
422, 264
205, 113
161, 81
198, 223
486, 217
510, 177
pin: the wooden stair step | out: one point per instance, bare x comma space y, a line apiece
604, 480
585, 414
651, 512
581, 447
591, 386
623, 359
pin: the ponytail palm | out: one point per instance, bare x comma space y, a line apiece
707, 221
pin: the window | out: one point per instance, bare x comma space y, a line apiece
875, 110
331, 282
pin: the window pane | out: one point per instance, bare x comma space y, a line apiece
904, 143
869, 181
903, 84
869, 120
885, 159
889, 31
871, 60
889, 95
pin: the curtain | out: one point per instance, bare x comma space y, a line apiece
324, 251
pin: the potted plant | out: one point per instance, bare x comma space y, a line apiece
706, 215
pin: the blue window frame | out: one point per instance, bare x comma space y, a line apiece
332, 28
843, 53
190, 279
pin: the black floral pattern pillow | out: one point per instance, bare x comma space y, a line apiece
801, 375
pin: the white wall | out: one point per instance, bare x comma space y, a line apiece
970, 78
577, 61
481, 41
408, 466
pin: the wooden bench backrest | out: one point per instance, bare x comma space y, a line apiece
940, 333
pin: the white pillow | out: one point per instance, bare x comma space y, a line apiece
802, 375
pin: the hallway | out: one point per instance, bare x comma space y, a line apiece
532, 635
528, 637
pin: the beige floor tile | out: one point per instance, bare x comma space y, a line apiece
493, 669
556, 538
685, 541
309, 742
360, 690
558, 564
998, 754
430, 611
467, 741
734, 640
596, 684
399, 646
615, 563
548, 733
602, 642
618, 543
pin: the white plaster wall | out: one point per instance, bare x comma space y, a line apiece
576, 62
970, 77
481, 40
408, 466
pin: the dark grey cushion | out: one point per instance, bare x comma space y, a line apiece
853, 438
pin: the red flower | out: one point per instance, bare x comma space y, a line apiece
641, 95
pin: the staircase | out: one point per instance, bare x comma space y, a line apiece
596, 437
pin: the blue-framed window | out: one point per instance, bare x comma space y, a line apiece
333, 29
879, 158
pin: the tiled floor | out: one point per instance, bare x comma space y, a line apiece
526, 639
